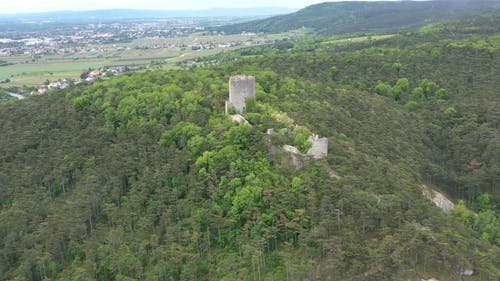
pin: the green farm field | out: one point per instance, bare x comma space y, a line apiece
27, 71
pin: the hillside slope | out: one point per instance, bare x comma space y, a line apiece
143, 177
357, 16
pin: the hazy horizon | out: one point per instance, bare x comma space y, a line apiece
35, 6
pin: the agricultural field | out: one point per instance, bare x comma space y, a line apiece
342, 39
166, 53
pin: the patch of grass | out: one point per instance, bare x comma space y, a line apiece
359, 39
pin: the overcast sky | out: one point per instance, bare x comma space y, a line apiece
28, 6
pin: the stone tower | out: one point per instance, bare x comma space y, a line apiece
241, 88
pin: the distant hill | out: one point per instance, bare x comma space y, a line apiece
346, 17
136, 14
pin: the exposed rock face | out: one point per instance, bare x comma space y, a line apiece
237, 118
319, 148
466, 272
438, 199
334, 174
241, 88
294, 157
291, 149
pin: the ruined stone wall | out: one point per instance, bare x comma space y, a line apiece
241, 87
319, 147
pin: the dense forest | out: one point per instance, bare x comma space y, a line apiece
5, 98
143, 177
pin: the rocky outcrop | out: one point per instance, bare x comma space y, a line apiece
238, 118
334, 174
438, 199
291, 149
466, 272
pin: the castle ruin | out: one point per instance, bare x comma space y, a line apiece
241, 88
319, 147
318, 150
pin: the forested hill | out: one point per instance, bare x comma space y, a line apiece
143, 176
358, 16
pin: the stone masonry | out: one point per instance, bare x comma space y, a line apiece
241, 88
319, 147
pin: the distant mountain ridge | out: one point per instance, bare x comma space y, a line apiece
132, 13
357, 16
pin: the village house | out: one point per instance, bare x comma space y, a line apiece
95, 73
